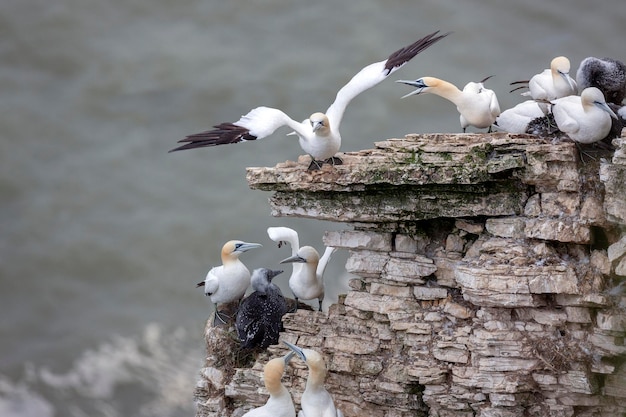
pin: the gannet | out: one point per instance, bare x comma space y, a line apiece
518, 118
606, 74
552, 83
307, 277
315, 401
259, 317
229, 281
477, 105
279, 404
585, 118
319, 134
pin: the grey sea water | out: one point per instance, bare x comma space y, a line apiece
103, 234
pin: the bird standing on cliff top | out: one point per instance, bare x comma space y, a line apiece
477, 105
229, 281
585, 118
259, 317
319, 134
316, 401
550, 84
517, 119
307, 278
606, 74
279, 404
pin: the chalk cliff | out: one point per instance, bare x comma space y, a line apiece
486, 281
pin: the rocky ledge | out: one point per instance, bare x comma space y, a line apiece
487, 280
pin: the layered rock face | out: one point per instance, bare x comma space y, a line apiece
487, 276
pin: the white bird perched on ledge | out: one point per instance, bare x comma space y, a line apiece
229, 281
307, 278
319, 134
585, 118
477, 105
550, 84
316, 401
518, 118
279, 404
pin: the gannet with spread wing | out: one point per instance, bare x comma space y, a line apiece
319, 134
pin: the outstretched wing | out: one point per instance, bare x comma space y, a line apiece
257, 124
375, 73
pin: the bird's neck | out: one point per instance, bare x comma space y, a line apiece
448, 91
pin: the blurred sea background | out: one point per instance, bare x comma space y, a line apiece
103, 234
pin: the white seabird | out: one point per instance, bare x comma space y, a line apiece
279, 404
552, 83
229, 281
477, 105
516, 119
585, 118
606, 74
307, 278
259, 317
319, 134
315, 401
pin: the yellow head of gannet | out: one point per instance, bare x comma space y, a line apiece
279, 404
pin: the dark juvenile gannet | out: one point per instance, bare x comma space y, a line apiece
259, 317
319, 134
229, 281
477, 105
518, 118
307, 278
606, 74
315, 401
279, 404
552, 83
585, 118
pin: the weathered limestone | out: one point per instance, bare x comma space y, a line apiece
487, 273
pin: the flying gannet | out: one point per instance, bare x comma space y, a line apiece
279, 404
307, 277
259, 317
315, 401
518, 118
606, 74
477, 105
229, 281
319, 134
585, 118
550, 84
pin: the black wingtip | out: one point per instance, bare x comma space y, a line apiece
403, 55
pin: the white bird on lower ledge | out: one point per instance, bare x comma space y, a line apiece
585, 118
477, 105
229, 281
319, 134
307, 278
316, 401
279, 404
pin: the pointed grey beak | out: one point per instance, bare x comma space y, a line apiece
294, 258
272, 273
606, 108
244, 247
288, 357
296, 349
419, 84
